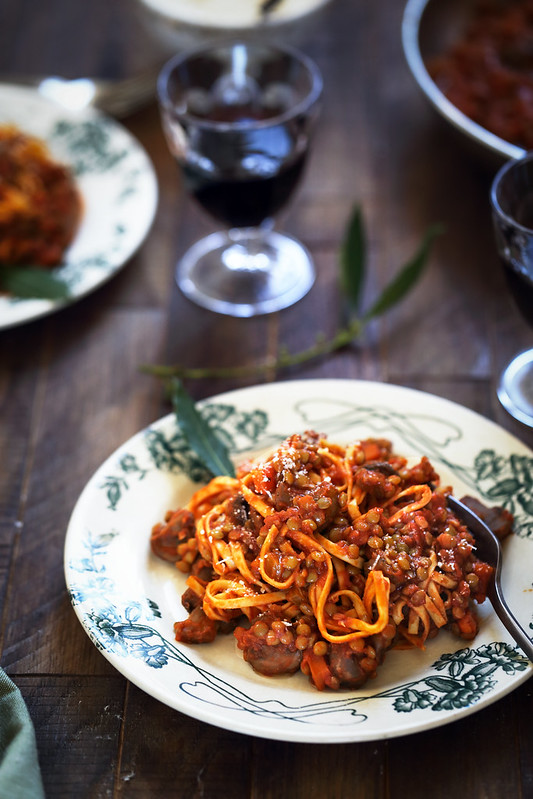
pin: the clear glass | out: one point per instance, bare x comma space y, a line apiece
512, 212
239, 118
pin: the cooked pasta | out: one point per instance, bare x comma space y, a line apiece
320, 557
40, 206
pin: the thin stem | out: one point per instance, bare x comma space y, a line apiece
284, 359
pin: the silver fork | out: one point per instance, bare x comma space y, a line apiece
489, 549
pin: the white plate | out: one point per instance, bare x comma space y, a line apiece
127, 599
189, 23
235, 16
117, 183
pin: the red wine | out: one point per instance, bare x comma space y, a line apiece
518, 258
243, 168
521, 286
524, 211
245, 200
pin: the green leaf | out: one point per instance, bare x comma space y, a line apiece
198, 433
352, 260
32, 282
400, 285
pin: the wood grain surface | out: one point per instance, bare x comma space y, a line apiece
71, 392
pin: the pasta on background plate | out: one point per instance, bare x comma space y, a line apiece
320, 557
40, 205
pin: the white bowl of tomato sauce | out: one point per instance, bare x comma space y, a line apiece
473, 61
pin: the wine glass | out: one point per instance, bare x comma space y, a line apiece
512, 212
238, 117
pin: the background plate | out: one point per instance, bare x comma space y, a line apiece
117, 183
127, 600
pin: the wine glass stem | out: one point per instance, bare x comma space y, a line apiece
249, 249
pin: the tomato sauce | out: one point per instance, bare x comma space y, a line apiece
40, 206
488, 73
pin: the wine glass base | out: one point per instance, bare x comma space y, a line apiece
515, 390
243, 273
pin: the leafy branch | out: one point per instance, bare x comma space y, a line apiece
352, 262
31, 282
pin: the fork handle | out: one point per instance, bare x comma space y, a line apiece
503, 612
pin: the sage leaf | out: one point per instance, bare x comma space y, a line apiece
32, 282
198, 433
352, 259
405, 280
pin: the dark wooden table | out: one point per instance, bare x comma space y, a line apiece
70, 393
